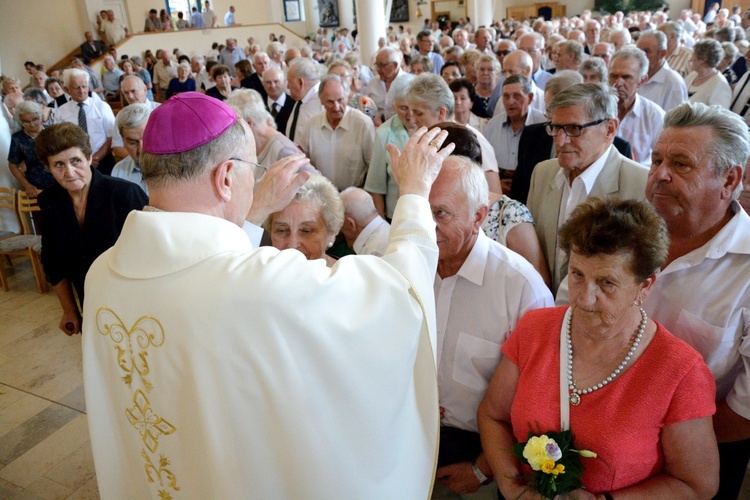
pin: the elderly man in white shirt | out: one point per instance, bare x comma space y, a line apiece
365, 231
481, 290
702, 294
303, 81
388, 66
664, 86
640, 119
134, 91
339, 140
92, 114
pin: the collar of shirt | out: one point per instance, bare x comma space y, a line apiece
280, 101
343, 124
473, 267
637, 109
661, 75
734, 237
311, 93
588, 176
366, 232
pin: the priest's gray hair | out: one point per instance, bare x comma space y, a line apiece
431, 90
599, 100
248, 104
473, 182
166, 169
730, 144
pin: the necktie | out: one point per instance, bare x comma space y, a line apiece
294, 120
82, 118
275, 110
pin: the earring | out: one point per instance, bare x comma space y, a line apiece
638, 302
330, 244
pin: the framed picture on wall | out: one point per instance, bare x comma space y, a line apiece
400, 11
329, 13
292, 11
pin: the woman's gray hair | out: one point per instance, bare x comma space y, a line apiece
133, 116
425, 61
184, 65
332, 78
563, 80
730, 144
594, 64
709, 51
248, 104
473, 182
731, 52
496, 68
274, 48
599, 100
399, 89
320, 191
633, 53
27, 107
431, 90
165, 169
36, 95
137, 60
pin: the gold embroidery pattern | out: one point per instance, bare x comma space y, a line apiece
132, 345
147, 422
133, 358
162, 473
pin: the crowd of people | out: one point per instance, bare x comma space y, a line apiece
595, 162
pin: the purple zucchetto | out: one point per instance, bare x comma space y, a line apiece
186, 121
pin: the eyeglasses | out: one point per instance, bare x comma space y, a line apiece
502, 53
571, 130
260, 170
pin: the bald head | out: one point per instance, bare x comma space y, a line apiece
518, 63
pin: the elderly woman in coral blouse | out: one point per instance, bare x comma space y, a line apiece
635, 395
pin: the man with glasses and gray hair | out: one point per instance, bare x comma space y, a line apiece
583, 122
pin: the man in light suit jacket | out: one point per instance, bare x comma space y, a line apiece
583, 122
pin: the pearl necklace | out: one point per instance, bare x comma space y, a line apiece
576, 393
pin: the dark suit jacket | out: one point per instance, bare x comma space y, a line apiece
535, 146
286, 111
88, 53
254, 82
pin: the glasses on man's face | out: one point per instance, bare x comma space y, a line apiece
570, 129
260, 170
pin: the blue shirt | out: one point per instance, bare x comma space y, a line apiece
196, 20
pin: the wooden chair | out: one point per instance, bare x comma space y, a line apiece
26, 243
8, 202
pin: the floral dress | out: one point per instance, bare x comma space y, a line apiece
504, 215
364, 104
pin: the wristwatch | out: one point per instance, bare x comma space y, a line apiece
479, 474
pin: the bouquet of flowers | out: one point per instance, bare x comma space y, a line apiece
557, 466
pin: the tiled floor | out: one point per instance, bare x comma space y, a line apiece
44, 440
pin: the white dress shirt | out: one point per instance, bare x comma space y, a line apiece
100, 120
572, 196
341, 154
373, 239
489, 161
704, 299
477, 308
641, 127
537, 103
310, 106
666, 88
